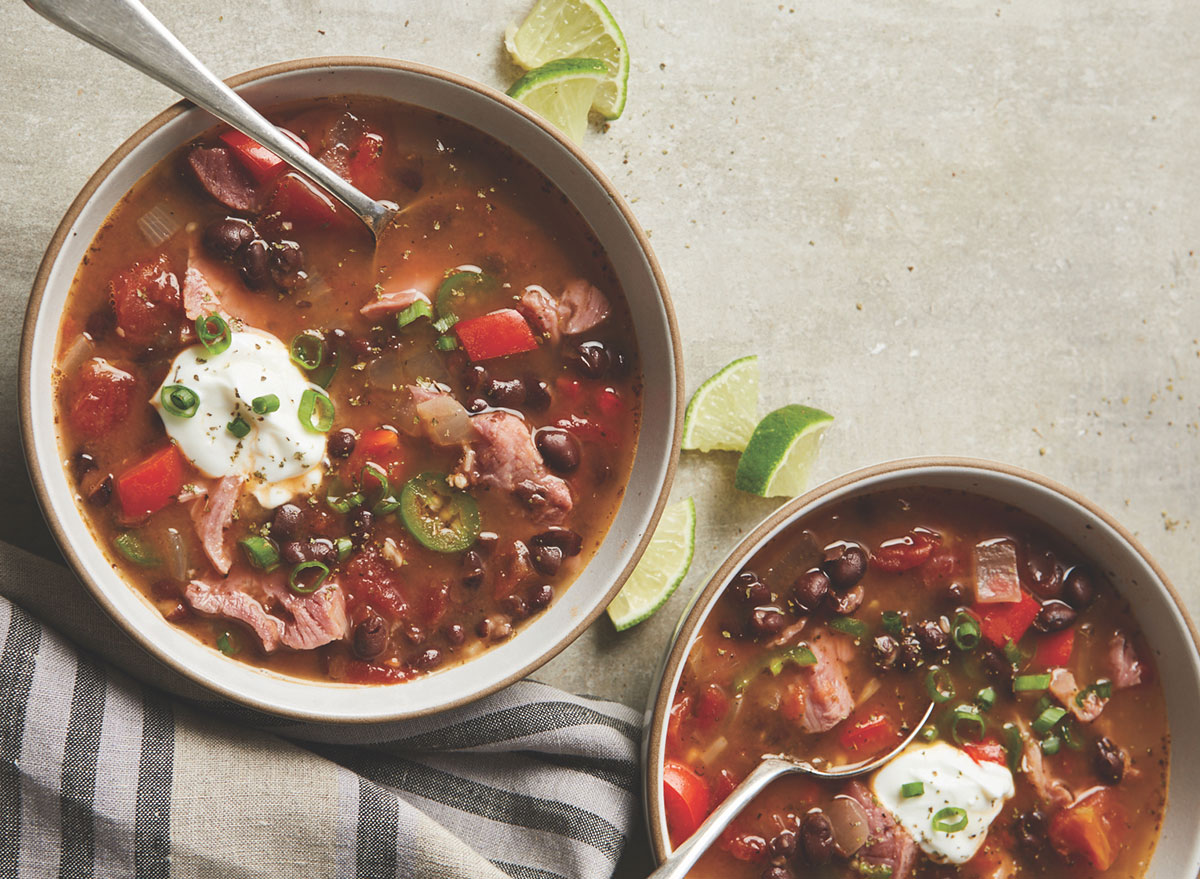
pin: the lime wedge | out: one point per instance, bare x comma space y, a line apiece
575, 29
781, 451
562, 92
661, 570
723, 410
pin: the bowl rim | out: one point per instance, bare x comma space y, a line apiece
38, 291
662, 694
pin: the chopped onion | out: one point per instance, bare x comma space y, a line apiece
81, 349
850, 828
158, 224
446, 421
714, 750
176, 555
868, 691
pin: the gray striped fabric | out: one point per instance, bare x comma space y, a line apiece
113, 766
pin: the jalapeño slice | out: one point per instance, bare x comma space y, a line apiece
440, 517
457, 289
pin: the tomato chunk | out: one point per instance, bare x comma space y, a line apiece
1003, 622
685, 796
147, 302
366, 165
907, 552
712, 705
495, 334
298, 201
1054, 649
871, 734
1092, 828
989, 750
103, 397
150, 485
263, 165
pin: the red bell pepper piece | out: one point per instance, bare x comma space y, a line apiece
685, 796
297, 200
263, 165
907, 552
1003, 622
495, 334
366, 165
147, 487
1054, 649
872, 734
989, 750
679, 711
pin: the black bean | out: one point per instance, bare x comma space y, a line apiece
847, 602
362, 526
253, 264
547, 559
956, 592
884, 650
846, 569
1054, 617
430, 659
537, 394
996, 667
224, 237
81, 465
455, 634
778, 873
618, 363
414, 633
370, 637
286, 261
1044, 574
101, 493
1078, 590
294, 552
509, 394
322, 550
285, 524
342, 442
592, 359
541, 596
816, 837
783, 844
476, 379
1109, 761
810, 589
751, 589
487, 541
514, 606
472, 569
476, 405
909, 655
766, 620
564, 538
1031, 830
932, 637
559, 448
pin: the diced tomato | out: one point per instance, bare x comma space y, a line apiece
569, 389
907, 552
150, 485
685, 797
989, 750
870, 735
370, 580
722, 787
1092, 827
748, 847
147, 302
380, 446
1003, 622
942, 567
103, 397
359, 672
679, 711
495, 334
712, 705
366, 166
1054, 649
263, 165
297, 200
608, 401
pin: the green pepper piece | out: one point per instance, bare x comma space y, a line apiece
439, 517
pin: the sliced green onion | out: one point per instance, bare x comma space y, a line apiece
892, 622
238, 427
1042, 704
801, 655
227, 644
136, 550
446, 343
302, 588
950, 819
180, 400
1031, 683
344, 547
374, 471
1050, 745
386, 505
912, 789
1066, 731
938, 684
344, 503
965, 632
260, 552
214, 333
418, 309
1102, 688
968, 716
265, 404
1014, 744
315, 403
1048, 719
928, 733
986, 698
849, 626
307, 351
1015, 654
443, 324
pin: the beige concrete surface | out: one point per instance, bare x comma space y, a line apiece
962, 227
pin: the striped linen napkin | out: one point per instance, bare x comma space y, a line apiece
112, 765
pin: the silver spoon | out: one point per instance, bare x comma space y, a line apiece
771, 767
127, 30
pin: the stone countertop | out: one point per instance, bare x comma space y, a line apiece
962, 227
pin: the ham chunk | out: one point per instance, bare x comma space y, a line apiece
199, 298
821, 699
1050, 790
1123, 663
579, 308
541, 310
505, 457
219, 173
1065, 690
278, 616
392, 302
888, 844
996, 577
212, 515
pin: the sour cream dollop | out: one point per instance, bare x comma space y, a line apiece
278, 453
951, 779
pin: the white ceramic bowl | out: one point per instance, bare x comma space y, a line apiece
1158, 608
658, 342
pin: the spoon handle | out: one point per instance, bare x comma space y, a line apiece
128, 31
684, 857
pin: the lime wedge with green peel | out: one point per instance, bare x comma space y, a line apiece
557, 29
562, 92
781, 452
661, 570
722, 412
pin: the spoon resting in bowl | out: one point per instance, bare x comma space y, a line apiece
128, 31
771, 767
